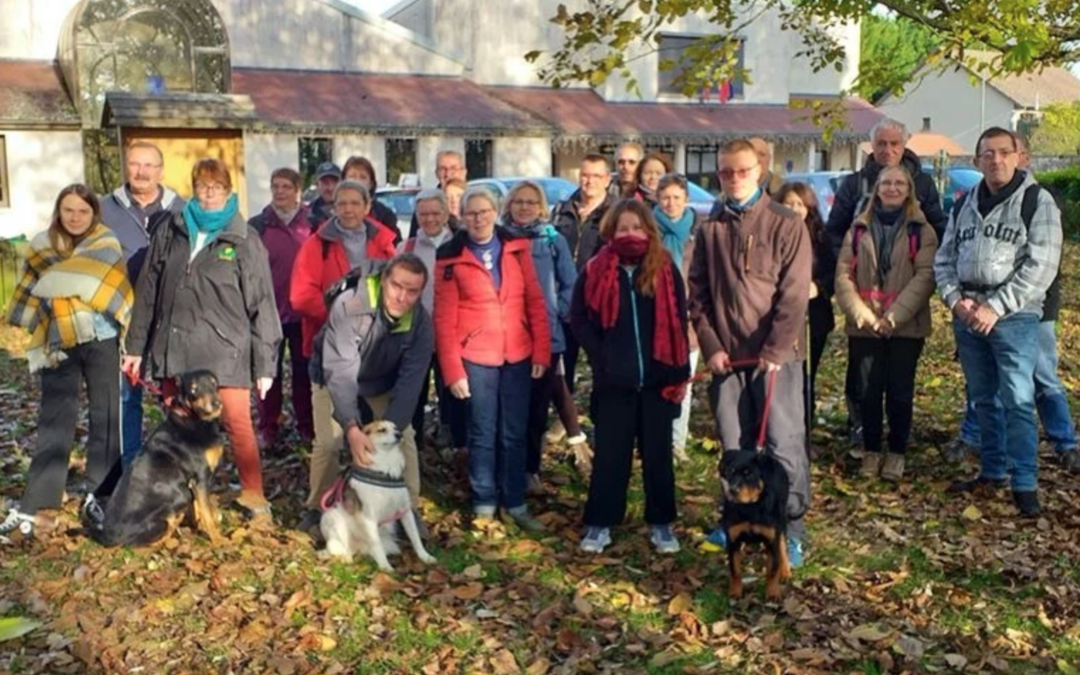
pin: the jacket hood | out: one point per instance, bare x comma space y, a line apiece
170, 201
372, 230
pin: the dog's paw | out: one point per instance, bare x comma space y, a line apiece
388, 568
427, 558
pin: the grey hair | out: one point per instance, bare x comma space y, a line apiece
888, 123
483, 193
433, 195
450, 153
355, 186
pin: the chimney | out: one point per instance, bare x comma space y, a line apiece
926, 125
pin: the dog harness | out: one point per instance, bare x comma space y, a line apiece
336, 492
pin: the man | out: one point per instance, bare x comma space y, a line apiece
133, 212
327, 177
749, 290
770, 182
376, 350
627, 158
578, 219
888, 139
993, 271
449, 166
283, 226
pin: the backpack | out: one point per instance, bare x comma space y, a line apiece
350, 281
914, 241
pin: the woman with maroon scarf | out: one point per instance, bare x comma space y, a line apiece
629, 313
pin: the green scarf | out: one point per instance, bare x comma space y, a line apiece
210, 223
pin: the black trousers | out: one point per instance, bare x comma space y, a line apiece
818, 340
626, 416
886, 371
539, 400
98, 364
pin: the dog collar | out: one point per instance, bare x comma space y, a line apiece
376, 478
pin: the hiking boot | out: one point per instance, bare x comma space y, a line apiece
794, 552
523, 519
93, 512
663, 538
17, 526
979, 486
958, 450
556, 433
871, 464
533, 486
596, 539
892, 469
1070, 461
1028, 503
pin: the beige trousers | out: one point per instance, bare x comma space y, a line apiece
330, 439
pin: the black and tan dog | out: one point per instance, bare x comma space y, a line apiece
755, 489
171, 475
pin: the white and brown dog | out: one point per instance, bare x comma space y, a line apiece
374, 498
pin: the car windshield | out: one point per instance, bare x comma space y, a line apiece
964, 179
698, 193
403, 203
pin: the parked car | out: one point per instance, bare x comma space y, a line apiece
959, 181
824, 185
555, 189
701, 200
403, 201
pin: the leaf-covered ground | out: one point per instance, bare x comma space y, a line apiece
898, 579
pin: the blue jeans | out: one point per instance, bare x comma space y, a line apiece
1050, 398
498, 425
131, 419
1002, 364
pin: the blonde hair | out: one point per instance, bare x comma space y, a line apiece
524, 185
912, 209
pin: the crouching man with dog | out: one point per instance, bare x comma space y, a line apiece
376, 349
749, 285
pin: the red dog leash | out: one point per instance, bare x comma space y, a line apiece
769, 384
136, 381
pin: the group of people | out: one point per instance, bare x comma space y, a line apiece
494, 300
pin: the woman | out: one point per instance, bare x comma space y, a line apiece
75, 300
655, 166
348, 240
454, 191
492, 338
677, 225
525, 214
433, 216
205, 300
801, 199
361, 170
884, 280
284, 225
629, 313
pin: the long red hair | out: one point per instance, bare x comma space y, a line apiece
656, 256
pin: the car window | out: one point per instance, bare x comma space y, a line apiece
403, 203
698, 193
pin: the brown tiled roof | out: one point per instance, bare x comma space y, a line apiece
379, 103
1052, 85
32, 94
580, 113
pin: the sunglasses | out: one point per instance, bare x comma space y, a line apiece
728, 174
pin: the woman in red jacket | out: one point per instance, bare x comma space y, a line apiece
350, 239
491, 337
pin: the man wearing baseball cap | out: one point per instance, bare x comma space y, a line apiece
327, 176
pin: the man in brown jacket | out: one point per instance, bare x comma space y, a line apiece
749, 290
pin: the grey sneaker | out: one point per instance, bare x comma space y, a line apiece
525, 520
93, 512
596, 539
663, 539
17, 524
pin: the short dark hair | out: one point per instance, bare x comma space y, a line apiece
597, 158
995, 132
364, 163
670, 179
410, 262
664, 160
291, 175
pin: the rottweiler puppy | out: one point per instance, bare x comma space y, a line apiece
171, 475
755, 493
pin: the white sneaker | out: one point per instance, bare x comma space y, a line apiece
596, 539
17, 521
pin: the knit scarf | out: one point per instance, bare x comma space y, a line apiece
57, 297
745, 206
674, 233
210, 223
670, 345
535, 230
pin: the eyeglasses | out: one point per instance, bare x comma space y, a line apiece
475, 215
894, 184
728, 174
991, 154
593, 176
212, 187
626, 160
135, 166
525, 202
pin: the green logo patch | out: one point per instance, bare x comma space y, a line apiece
227, 253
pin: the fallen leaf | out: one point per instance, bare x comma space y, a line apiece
297, 599
972, 513
910, 647
473, 572
869, 632
582, 605
504, 663
12, 627
957, 661
469, 591
539, 667
680, 603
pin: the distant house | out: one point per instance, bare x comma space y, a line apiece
959, 103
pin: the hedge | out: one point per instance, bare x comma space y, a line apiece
1065, 184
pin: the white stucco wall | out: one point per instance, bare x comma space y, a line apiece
954, 105
522, 156
427, 147
35, 182
262, 154
30, 29
372, 147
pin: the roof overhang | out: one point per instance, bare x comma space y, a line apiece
171, 110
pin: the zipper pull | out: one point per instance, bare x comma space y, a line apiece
746, 254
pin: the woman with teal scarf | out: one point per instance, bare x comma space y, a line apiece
205, 300
677, 225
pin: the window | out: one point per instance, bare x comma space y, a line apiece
312, 153
701, 166
665, 149
5, 200
400, 158
671, 51
478, 159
